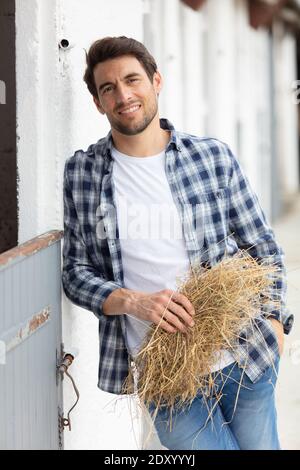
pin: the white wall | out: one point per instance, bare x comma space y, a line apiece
253, 102
217, 79
37, 107
221, 70
174, 34
286, 109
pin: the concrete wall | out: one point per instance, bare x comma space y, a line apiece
37, 108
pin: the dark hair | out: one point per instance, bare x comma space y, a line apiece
111, 47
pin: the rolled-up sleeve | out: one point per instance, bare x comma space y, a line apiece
252, 232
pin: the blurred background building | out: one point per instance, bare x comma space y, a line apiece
230, 69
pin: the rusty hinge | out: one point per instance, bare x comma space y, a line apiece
62, 369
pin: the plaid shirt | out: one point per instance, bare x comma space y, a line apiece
204, 176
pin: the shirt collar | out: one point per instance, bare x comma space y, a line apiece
107, 143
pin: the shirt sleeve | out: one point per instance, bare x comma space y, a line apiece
252, 232
81, 281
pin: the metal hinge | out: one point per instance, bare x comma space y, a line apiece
62, 369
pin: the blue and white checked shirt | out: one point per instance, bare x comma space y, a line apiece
203, 174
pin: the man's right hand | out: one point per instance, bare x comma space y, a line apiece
167, 308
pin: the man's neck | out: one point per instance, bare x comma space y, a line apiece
151, 141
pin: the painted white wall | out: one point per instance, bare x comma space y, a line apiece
286, 109
245, 96
193, 73
221, 70
37, 107
217, 79
253, 104
174, 35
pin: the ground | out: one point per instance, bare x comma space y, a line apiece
287, 231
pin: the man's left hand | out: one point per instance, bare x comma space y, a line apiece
278, 328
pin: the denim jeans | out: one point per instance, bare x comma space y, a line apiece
243, 418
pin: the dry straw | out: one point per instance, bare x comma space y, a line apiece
173, 368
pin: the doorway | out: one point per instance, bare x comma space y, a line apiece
8, 159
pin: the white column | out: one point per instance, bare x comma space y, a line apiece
172, 60
253, 104
221, 69
30, 118
245, 102
287, 112
194, 102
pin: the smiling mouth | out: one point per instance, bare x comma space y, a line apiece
130, 110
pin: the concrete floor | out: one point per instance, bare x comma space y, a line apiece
287, 231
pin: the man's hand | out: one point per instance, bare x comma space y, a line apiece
171, 310
278, 327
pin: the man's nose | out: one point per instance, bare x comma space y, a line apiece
123, 94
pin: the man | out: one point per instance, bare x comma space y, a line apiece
126, 274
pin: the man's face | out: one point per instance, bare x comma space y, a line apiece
126, 95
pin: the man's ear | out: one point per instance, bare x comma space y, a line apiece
157, 82
98, 105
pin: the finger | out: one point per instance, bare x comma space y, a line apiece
164, 324
181, 313
184, 301
174, 320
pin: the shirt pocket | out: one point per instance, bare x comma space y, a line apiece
211, 219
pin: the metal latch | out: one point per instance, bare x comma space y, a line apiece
62, 368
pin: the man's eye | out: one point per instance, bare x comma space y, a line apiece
133, 80
107, 89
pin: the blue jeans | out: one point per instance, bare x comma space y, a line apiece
244, 418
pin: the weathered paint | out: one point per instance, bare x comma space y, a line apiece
12, 338
30, 247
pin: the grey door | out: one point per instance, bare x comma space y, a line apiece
30, 344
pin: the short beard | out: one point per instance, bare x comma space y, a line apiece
139, 127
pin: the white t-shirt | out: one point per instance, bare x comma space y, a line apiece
153, 250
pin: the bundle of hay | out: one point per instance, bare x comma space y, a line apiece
173, 368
